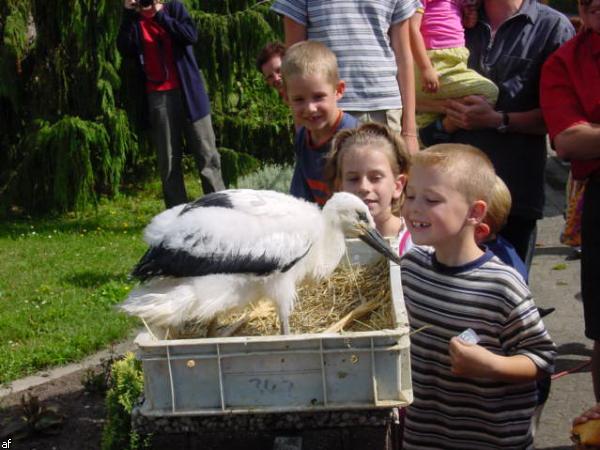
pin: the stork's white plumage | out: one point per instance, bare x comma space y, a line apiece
233, 247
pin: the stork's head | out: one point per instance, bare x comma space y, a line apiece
349, 213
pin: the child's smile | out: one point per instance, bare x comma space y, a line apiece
435, 212
313, 100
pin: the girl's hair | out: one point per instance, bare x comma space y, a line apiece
374, 135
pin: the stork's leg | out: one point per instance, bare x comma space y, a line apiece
285, 305
284, 324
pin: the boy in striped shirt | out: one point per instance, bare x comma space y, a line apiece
467, 395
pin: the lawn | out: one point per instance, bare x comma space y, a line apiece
60, 277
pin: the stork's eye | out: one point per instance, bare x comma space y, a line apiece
362, 216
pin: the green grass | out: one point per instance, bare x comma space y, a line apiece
60, 277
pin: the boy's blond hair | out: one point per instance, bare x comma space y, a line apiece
372, 134
498, 207
470, 170
308, 58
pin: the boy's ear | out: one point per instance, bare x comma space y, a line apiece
482, 232
400, 183
477, 212
340, 89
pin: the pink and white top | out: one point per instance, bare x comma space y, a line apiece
442, 24
405, 242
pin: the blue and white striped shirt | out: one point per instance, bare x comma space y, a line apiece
467, 413
357, 32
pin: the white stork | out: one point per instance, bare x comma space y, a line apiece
230, 248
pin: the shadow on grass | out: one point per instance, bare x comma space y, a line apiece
90, 279
16, 228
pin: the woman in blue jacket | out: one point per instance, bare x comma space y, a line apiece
160, 37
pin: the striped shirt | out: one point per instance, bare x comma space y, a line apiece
453, 412
357, 32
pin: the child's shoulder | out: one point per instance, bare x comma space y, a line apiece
420, 255
503, 279
348, 121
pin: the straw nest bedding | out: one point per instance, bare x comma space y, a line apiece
318, 308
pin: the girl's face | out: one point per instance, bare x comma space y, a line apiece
367, 173
589, 11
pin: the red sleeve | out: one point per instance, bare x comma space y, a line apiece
560, 104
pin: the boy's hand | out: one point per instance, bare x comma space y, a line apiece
470, 360
430, 80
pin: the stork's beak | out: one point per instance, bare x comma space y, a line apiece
373, 239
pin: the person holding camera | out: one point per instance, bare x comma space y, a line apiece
160, 37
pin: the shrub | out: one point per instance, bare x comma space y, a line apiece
127, 386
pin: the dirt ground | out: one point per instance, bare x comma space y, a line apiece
83, 413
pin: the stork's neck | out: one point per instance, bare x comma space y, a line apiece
332, 248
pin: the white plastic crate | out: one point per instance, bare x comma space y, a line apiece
305, 372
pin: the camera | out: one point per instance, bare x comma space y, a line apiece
145, 3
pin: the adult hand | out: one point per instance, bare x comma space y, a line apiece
129, 4
151, 10
592, 413
470, 360
472, 112
412, 143
429, 80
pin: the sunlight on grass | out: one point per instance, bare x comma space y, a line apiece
61, 277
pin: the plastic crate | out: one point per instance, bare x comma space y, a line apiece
305, 372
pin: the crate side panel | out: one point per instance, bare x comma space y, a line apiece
263, 381
348, 377
196, 384
156, 385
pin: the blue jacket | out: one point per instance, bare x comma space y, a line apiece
175, 19
508, 255
307, 180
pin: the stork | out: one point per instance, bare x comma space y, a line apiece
230, 248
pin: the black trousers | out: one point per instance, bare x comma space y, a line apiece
590, 258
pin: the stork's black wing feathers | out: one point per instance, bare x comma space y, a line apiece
163, 261
214, 199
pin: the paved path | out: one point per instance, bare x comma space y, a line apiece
555, 282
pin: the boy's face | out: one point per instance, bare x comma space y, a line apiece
313, 100
271, 71
436, 213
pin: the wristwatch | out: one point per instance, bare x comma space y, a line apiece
503, 127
